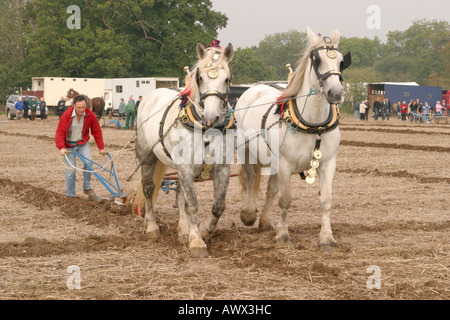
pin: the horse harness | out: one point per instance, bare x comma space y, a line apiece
331, 53
190, 118
294, 120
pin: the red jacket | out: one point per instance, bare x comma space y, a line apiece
404, 108
90, 122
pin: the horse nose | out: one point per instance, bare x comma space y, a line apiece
208, 123
334, 96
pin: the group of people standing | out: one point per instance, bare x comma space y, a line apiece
416, 108
129, 111
380, 108
403, 110
27, 109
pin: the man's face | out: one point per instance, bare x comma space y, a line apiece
80, 107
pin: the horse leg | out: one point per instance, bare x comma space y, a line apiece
197, 246
248, 213
282, 238
221, 179
183, 223
272, 190
147, 172
326, 174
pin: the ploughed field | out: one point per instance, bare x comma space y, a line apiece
391, 219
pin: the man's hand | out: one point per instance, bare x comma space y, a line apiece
103, 152
62, 152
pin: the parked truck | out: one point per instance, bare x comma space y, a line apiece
53, 88
115, 89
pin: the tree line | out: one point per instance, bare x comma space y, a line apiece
137, 38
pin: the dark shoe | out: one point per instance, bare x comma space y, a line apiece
89, 192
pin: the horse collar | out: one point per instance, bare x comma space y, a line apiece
294, 119
190, 118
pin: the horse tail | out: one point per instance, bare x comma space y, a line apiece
158, 177
257, 188
102, 107
137, 196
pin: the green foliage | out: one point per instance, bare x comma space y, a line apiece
117, 38
364, 51
415, 54
137, 38
249, 68
279, 49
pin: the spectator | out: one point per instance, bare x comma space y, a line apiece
33, 107
376, 108
19, 108
384, 109
366, 102
26, 107
362, 110
357, 110
61, 107
413, 108
43, 107
404, 110
73, 134
131, 111
122, 109
419, 106
389, 109
399, 110
426, 111
438, 108
138, 102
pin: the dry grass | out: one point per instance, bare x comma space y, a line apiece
391, 210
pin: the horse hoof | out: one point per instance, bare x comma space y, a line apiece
283, 241
153, 234
205, 233
328, 247
201, 252
248, 218
183, 238
265, 226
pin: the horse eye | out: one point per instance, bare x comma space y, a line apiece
226, 80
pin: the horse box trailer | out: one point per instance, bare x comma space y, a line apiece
53, 88
404, 92
115, 89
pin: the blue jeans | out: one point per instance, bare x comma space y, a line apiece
85, 151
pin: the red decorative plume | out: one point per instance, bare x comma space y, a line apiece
214, 44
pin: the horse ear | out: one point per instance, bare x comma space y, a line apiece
229, 52
335, 37
312, 38
201, 51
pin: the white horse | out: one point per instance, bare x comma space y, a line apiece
306, 122
167, 125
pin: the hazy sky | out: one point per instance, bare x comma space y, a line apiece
249, 21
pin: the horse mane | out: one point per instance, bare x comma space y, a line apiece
192, 90
297, 78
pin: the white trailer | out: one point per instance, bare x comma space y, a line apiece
115, 89
53, 88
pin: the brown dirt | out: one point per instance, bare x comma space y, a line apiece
390, 209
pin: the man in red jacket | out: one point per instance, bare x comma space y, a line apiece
73, 134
